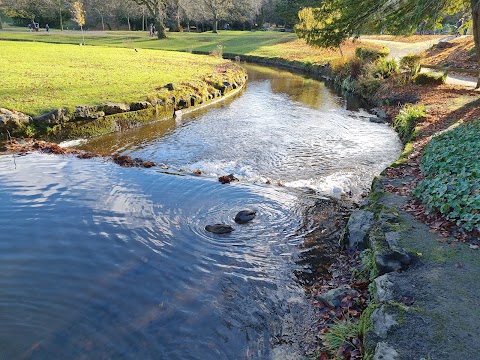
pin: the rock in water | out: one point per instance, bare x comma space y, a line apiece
245, 216
227, 179
219, 228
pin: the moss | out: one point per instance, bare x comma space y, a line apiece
110, 123
407, 150
365, 326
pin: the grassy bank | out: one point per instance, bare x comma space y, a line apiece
253, 43
38, 77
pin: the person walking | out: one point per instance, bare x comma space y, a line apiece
47, 27
422, 27
459, 25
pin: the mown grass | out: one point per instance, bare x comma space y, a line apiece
254, 43
38, 77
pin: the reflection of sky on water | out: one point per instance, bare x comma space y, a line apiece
98, 258
283, 127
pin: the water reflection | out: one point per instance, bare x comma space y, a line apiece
99, 261
284, 128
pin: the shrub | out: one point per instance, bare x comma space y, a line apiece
218, 51
430, 78
384, 68
355, 68
411, 63
404, 122
371, 54
368, 85
451, 164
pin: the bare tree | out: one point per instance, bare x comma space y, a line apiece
217, 9
157, 9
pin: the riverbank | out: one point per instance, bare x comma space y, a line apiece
413, 247
422, 258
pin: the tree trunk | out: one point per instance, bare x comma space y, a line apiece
61, 20
160, 27
103, 23
215, 24
128, 22
476, 31
83, 36
178, 18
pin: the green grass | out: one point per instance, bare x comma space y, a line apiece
38, 77
404, 122
253, 43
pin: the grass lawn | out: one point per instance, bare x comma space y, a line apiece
256, 43
38, 77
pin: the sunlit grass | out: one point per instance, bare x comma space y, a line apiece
254, 43
37, 77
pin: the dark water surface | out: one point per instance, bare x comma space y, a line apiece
103, 262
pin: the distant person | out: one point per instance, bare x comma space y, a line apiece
151, 30
465, 30
37, 27
47, 27
459, 25
422, 27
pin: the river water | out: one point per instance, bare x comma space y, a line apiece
103, 262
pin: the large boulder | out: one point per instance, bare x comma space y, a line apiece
111, 108
356, 232
13, 120
53, 117
87, 113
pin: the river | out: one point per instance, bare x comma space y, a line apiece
99, 261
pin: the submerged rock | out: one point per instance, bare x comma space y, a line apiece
219, 228
245, 216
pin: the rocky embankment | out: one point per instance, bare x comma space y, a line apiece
92, 120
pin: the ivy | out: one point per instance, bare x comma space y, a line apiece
451, 164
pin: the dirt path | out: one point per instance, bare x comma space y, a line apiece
400, 49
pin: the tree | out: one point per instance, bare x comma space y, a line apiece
79, 16
217, 9
287, 10
157, 9
334, 21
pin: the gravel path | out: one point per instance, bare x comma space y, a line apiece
400, 49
